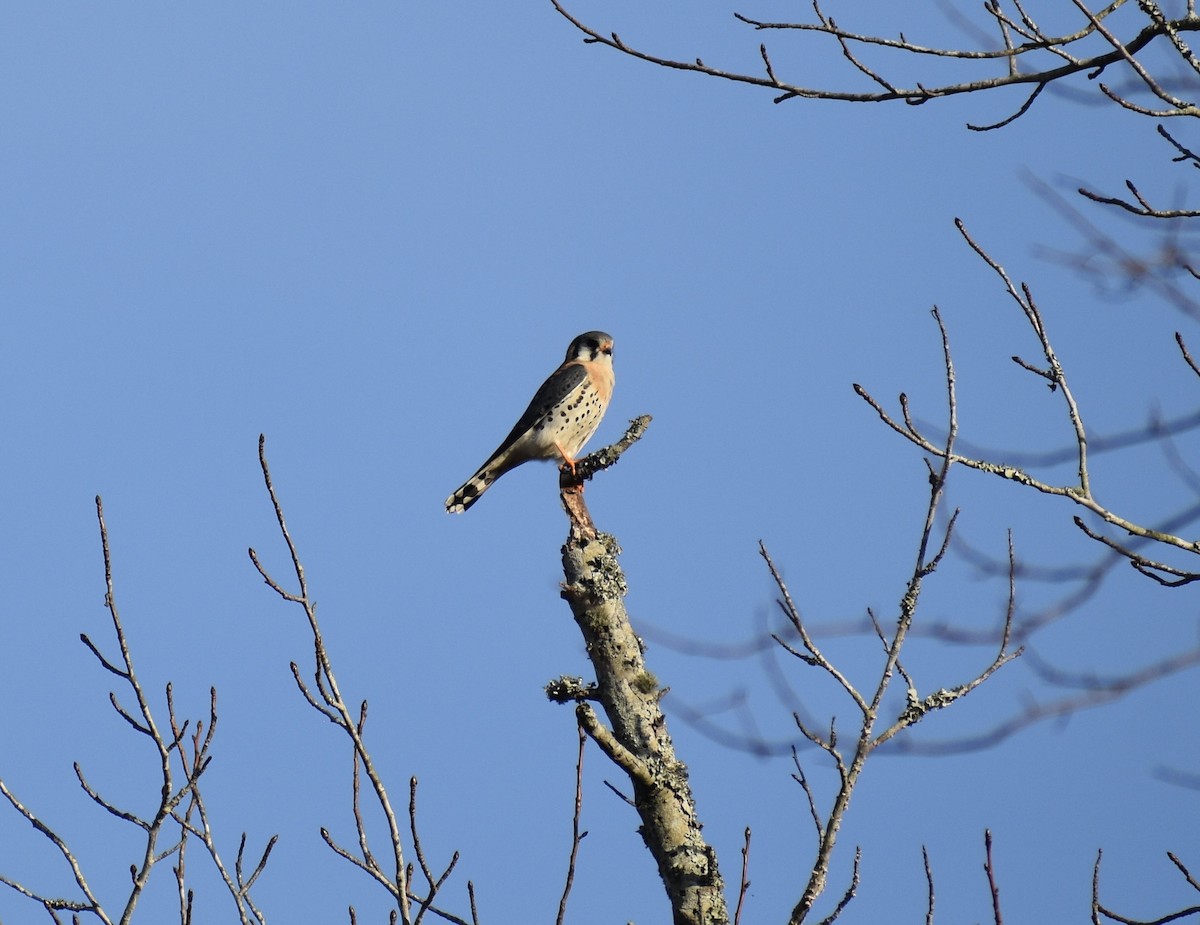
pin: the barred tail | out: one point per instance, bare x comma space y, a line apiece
470, 490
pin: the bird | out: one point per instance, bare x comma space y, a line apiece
561, 418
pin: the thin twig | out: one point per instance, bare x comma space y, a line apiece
744, 884
929, 886
990, 869
576, 835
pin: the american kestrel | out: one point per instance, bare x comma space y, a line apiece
562, 417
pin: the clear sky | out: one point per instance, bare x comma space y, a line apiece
369, 231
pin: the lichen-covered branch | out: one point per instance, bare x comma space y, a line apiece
636, 737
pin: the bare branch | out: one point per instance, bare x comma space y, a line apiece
330, 704
1178, 106
1184, 154
1024, 108
1108, 257
744, 886
851, 890
1142, 208
1148, 567
1099, 909
433, 884
576, 835
869, 739
1153, 431
929, 901
990, 869
100, 801
788, 606
1081, 492
91, 904
1095, 694
800, 778
297, 567
1035, 43
1186, 355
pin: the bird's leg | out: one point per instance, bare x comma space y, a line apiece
572, 485
566, 456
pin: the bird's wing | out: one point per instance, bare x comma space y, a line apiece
563, 382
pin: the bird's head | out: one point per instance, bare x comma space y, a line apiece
594, 345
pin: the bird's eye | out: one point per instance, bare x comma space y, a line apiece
593, 344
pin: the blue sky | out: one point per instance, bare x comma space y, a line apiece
369, 232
